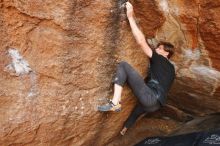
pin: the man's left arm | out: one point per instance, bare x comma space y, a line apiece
138, 35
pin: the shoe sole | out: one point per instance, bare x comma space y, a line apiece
101, 110
111, 110
117, 110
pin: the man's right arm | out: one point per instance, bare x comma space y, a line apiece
138, 35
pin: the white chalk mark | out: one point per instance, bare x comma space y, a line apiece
19, 65
168, 8
205, 71
164, 5
192, 54
208, 73
33, 89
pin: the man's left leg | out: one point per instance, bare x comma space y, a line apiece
136, 112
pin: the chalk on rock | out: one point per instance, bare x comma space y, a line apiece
19, 66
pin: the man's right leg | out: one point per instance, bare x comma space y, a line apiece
120, 79
143, 93
117, 94
123, 73
127, 73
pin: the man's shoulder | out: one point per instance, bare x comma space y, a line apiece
154, 55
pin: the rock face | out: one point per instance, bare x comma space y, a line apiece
195, 31
58, 59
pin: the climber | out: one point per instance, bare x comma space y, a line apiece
150, 93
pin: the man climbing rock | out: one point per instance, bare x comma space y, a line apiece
151, 92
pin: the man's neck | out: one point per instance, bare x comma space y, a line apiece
165, 56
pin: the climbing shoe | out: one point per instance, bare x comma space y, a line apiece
110, 107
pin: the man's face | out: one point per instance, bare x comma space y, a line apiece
160, 50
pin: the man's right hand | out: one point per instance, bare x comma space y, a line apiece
130, 11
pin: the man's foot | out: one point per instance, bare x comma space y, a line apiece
123, 131
110, 100
110, 107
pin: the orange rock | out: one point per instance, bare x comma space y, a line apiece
73, 48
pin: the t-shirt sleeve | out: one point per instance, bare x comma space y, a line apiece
154, 56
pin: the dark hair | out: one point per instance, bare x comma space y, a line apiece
168, 47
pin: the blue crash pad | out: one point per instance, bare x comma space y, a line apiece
211, 138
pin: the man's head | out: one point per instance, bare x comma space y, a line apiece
165, 49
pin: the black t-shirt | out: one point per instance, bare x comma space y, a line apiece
163, 71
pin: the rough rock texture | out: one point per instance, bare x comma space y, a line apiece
196, 89
58, 59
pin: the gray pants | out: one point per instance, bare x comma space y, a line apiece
145, 95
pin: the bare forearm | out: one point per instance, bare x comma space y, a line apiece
139, 36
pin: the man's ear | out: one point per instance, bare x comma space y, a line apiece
166, 53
